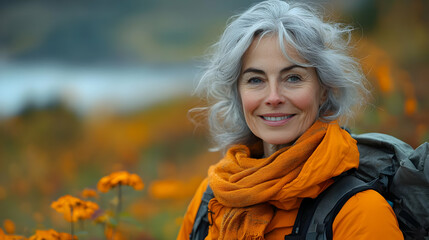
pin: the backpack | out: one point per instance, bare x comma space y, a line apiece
386, 164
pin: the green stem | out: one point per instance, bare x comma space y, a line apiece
81, 225
119, 207
118, 210
71, 223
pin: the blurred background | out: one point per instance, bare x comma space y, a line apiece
92, 87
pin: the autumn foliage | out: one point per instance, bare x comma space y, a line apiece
131, 175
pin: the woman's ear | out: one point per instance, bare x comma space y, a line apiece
323, 96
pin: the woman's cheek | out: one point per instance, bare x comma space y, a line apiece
307, 101
249, 102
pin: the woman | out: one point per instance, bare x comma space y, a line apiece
281, 82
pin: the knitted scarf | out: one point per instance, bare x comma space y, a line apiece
248, 190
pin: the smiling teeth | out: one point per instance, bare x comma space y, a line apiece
277, 118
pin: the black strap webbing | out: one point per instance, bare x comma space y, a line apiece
200, 228
316, 216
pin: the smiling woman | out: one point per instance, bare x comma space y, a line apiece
280, 99
279, 83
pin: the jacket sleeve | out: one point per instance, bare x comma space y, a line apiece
367, 215
191, 212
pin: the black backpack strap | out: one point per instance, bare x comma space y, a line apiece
343, 189
316, 216
302, 221
200, 228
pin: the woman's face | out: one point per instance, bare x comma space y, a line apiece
280, 99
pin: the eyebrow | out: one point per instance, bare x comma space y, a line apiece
255, 70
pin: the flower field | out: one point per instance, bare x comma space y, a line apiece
109, 177
130, 175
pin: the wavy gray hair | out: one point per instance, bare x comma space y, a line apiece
324, 45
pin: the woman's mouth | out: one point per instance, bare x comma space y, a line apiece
276, 119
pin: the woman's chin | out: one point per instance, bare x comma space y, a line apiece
276, 142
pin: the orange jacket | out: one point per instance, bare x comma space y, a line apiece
366, 215
248, 190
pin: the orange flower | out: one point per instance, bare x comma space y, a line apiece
410, 106
167, 189
173, 189
3, 236
89, 193
120, 178
112, 233
384, 78
65, 203
66, 236
74, 209
85, 211
12, 237
51, 235
9, 226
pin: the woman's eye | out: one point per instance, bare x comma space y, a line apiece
293, 78
254, 80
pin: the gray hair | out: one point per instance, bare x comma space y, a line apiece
325, 46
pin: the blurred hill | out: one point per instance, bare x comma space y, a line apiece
111, 31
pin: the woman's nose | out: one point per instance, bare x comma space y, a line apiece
275, 97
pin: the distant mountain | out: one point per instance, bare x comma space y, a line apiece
112, 31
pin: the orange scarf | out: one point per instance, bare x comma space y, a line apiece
246, 189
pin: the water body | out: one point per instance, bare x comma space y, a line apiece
84, 88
